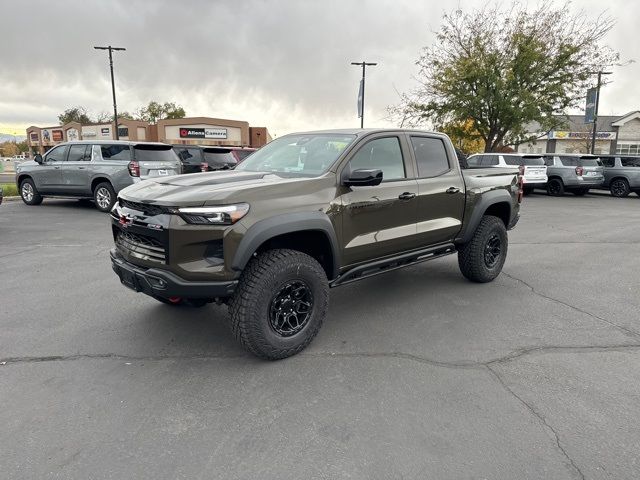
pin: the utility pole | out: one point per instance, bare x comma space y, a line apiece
361, 93
595, 115
113, 85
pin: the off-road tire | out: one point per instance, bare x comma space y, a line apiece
471, 256
35, 198
101, 189
251, 305
619, 187
555, 187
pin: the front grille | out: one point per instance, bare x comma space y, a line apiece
141, 246
146, 208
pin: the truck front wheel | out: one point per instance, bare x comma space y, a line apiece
481, 259
280, 303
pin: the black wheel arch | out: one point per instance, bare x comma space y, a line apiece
497, 203
98, 180
308, 232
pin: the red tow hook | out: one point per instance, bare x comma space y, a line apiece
175, 300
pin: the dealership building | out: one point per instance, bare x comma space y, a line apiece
182, 131
615, 134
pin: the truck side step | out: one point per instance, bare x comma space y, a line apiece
393, 263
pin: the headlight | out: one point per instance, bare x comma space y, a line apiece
222, 215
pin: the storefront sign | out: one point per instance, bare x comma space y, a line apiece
72, 134
104, 131
561, 135
203, 133
56, 135
89, 132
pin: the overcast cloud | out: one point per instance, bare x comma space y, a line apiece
280, 64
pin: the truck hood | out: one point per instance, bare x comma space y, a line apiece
199, 189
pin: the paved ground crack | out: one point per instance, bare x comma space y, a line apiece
622, 328
513, 355
540, 417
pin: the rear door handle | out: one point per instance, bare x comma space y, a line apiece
56, 167
452, 190
81, 168
406, 196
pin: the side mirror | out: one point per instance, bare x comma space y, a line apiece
38, 158
363, 178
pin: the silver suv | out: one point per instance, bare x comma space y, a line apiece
621, 174
575, 173
532, 168
93, 169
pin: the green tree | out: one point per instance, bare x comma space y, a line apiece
505, 69
155, 111
74, 114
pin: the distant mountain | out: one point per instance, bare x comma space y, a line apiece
10, 138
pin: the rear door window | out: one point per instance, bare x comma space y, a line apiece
608, 161
78, 153
115, 152
489, 160
431, 156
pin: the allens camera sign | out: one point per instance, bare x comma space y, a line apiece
203, 133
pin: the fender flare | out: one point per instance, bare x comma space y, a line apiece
272, 227
487, 199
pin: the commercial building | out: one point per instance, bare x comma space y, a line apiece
615, 134
186, 131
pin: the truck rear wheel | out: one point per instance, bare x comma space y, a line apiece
279, 304
481, 259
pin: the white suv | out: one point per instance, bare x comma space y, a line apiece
532, 167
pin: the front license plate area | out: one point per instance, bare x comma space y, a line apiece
128, 279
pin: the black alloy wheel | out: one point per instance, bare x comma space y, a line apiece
555, 188
291, 308
492, 250
619, 187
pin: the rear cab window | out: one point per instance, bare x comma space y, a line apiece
431, 156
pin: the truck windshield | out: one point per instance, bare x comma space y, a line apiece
304, 155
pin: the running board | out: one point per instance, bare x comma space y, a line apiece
393, 263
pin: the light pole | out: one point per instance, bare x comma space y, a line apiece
361, 94
595, 112
113, 85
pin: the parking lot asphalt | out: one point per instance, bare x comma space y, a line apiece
416, 373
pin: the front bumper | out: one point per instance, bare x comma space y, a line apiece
161, 283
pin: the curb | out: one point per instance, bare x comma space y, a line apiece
11, 199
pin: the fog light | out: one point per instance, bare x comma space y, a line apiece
157, 282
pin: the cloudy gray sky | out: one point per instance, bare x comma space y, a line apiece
283, 64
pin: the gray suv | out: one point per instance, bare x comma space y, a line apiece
575, 173
93, 169
621, 174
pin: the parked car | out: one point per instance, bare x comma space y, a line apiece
621, 174
196, 158
93, 169
531, 166
575, 173
304, 213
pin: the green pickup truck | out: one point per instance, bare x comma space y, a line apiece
307, 212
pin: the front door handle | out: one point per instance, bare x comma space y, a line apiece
452, 190
56, 167
406, 196
81, 168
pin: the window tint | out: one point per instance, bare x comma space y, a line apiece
474, 160
523, 160
57, 154
115, 152
488, 160
77, 153
431, 156
188, 155
630, 162
155, 153
380, 154
569, 161
219, 158
608, 161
